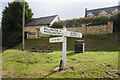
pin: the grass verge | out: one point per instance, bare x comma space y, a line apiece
24, 64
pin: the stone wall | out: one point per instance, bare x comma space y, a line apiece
34, 31
97, 29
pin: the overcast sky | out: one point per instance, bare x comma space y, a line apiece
66, 9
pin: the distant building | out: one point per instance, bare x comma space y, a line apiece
43, 21
102, 11
32, 27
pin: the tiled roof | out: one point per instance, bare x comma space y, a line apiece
41, 21
109, 10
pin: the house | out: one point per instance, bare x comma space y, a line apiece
102, 11
32, 27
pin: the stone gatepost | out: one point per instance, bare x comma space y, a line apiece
110, 27
27, 35
84, 29
37, 32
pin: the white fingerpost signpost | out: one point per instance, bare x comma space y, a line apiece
64, 33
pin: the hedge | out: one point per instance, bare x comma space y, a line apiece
89, 21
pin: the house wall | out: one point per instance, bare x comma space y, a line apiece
35, 30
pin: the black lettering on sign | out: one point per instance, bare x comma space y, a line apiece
52, 31
73, 34
55, 39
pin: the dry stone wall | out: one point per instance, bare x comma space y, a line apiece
97, 29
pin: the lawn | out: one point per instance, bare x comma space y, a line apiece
25, 64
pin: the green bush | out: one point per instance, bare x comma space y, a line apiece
15, 38
99, 20
90, 21
12, 23
116, 22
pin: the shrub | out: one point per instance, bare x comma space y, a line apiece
116, 22
99, 20
90, 21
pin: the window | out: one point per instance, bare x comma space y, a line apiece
115, 11
90, 14
103, 13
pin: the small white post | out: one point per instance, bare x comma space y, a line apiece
64, 46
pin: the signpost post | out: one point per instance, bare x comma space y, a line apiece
64, 45
64, 33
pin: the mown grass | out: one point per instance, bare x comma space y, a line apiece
25, 64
